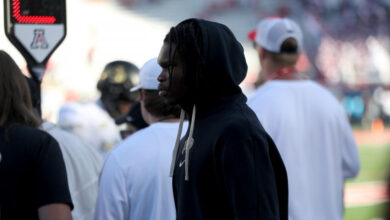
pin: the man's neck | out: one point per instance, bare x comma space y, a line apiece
168, 119
281, 73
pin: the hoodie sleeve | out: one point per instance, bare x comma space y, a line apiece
248, 174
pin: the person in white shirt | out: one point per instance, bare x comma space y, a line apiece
90, 122
94, 122
83, 163
135, 182
309, 126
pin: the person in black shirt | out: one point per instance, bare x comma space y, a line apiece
33, 182
226, 166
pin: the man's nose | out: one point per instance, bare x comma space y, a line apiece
162, 77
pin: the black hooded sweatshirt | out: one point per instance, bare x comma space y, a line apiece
235, 170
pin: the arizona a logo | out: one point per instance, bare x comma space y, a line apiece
39, 41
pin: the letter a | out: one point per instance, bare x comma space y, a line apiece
39, 40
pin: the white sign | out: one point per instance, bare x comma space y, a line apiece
39, 39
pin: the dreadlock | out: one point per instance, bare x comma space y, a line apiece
187, 38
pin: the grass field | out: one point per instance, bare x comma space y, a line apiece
365, 212
375, 165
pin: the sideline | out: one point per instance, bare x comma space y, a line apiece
365, 194
372, 138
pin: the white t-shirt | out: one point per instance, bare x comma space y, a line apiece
83, 165
311, 130
91, 123
135, 183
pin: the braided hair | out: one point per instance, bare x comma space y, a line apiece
188, 42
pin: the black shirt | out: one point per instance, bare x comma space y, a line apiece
32, 172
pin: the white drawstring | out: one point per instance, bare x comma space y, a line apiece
188, 144
182, 113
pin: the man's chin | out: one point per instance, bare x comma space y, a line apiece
170, 100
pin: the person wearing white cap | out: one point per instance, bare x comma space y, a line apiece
308, 124
135, 182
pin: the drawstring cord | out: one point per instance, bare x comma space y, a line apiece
182, 113
188, 144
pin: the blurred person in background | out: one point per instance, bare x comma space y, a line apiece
135, 182
226, 166
94, 122
133, 121
83, 163
33, 182
308, 125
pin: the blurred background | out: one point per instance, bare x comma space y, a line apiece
347, 49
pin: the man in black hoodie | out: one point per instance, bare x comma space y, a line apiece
226, 166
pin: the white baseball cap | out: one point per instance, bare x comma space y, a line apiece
271, 32
148, 76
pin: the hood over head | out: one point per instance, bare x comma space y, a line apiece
214, 65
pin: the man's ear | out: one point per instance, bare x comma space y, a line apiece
262, 53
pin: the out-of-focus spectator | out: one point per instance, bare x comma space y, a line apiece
309, 126
33, 182
83, 164
135, 182
133, 120
347, 41
94, 122
354, 106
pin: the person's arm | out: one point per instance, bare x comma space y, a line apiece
52, 191
248, 175
350, 155
56, 211
112, 202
